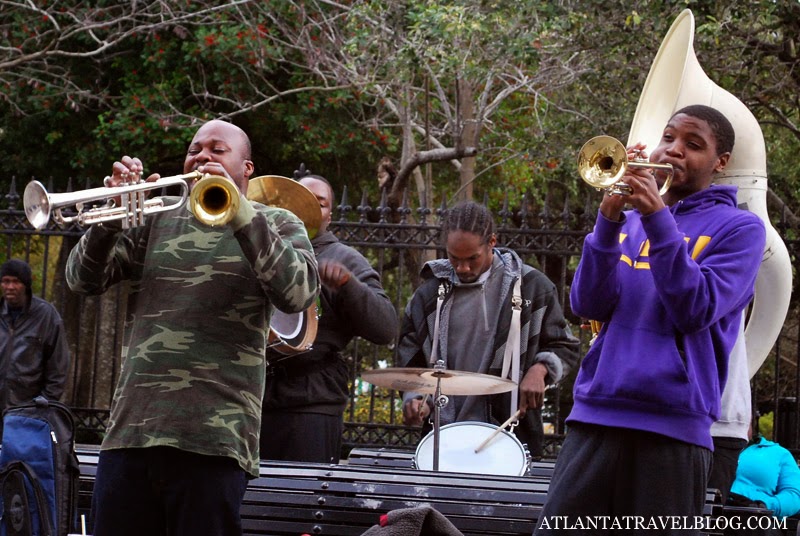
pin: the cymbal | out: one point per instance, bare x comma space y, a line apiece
283, 192
424, 380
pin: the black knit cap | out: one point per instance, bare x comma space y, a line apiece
19, 269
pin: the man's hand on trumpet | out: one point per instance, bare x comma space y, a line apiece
127, 170
645, 196
214, 168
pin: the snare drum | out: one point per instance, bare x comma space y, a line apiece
504, 455
294, 333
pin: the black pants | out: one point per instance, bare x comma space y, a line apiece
627, 475
162, 491
301, 437
726, 459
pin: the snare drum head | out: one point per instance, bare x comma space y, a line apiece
504, 455
288, 327
293, 333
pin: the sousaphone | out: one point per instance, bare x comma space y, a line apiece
676, 80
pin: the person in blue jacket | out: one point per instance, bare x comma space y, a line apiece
768, 474
668, 279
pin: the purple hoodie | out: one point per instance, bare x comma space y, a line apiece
670, 289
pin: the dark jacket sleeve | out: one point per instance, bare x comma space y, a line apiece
553, 343
414, 343
56, 356
365, 305
101, 258
409, 345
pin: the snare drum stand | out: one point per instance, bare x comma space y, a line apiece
439, 401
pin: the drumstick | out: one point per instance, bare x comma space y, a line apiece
494, 434
422, 404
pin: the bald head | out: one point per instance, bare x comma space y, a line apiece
219, 143
233, 131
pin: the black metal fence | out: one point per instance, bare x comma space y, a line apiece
397, 241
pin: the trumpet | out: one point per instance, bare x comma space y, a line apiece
603, 160
213, 201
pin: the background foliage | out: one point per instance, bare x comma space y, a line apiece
343, 86
340, 85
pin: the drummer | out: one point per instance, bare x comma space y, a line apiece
472, 290
306, 394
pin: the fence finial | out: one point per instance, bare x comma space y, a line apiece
301, 172
12, 195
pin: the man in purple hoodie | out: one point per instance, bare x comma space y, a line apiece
669, 280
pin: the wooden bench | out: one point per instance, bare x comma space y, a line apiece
384, 457
293, 498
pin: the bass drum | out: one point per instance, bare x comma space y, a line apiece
291, 334
504, 455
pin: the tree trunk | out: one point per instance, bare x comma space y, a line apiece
468, 138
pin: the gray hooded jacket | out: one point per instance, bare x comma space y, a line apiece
473, 329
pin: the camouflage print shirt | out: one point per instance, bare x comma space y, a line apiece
199, 303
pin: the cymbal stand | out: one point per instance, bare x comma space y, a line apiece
439, 401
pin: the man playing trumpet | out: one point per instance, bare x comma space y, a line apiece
184, 431
669, 280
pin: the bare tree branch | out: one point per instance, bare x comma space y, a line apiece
433, 155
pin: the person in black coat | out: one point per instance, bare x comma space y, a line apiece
306, 394
33, 344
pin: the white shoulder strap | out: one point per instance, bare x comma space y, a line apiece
435, 338
511, 358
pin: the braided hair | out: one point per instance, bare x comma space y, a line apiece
470, 217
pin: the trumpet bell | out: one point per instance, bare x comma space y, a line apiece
214, 200
601, 162
37, 204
